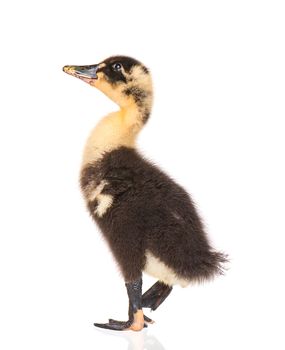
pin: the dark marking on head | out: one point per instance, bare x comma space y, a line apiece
146, 116
128, 63
113, 76
146, 71
137, 93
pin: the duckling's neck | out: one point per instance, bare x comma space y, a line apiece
115, 130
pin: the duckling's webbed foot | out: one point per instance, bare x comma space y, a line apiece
114, 325
135, 324
156, 295
136, 316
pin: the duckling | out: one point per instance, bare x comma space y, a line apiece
149, 221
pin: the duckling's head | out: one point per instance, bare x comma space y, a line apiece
123, 79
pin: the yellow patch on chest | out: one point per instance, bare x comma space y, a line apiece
110, 133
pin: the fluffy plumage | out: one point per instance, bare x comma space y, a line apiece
148, 220
149, 213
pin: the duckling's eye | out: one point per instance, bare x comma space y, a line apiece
117, 67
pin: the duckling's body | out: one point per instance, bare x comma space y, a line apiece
149, 221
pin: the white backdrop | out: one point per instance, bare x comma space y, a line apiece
217, 128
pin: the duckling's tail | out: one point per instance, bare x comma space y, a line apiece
218, 262
209, 266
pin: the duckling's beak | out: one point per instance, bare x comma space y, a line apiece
85, 73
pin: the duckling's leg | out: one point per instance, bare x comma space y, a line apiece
136, 316
156, 295
152, 299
